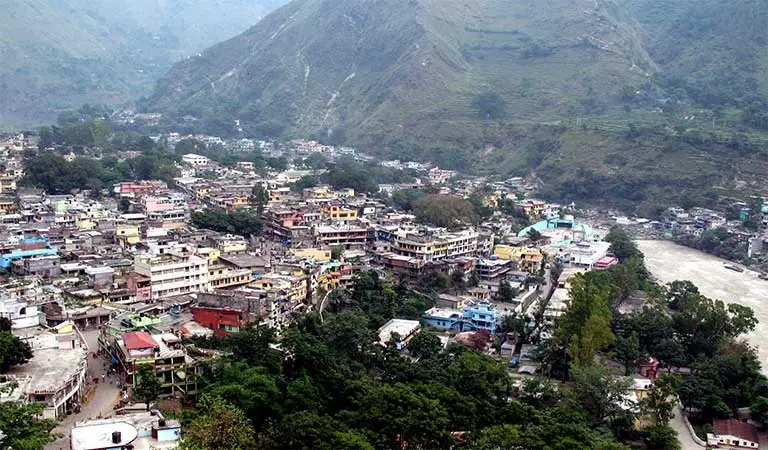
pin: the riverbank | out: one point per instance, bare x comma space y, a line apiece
668, 262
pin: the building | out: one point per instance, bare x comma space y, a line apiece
21, 314
177, 369
401, 330
347, 236
228, 313
337, 212
55, 376
146, 430
433, 247
733, 434
194, 160
173, 273
474, 316
493, 269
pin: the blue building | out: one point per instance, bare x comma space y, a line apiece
475, 316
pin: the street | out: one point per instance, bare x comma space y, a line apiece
677, 424
101, 397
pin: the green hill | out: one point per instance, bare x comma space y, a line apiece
60, 54
418, 70
632, 102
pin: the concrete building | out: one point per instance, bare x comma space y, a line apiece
733, 434
194, 160
21, 314
474, 316
146, 430
403, 329
55, 376
438, 246
177, 369
347, 236
174, 273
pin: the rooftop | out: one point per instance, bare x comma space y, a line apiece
402, 327
135, 429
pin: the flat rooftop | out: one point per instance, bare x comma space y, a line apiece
135, 429
402, 327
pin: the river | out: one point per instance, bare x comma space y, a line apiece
668, 261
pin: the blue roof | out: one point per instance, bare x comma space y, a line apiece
7, 258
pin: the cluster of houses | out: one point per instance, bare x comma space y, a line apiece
133, 269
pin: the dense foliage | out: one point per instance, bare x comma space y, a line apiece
339, 389
237, 222
719, 242
13, 351
448, 211
56, 175
22, 426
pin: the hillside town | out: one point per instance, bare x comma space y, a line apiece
104, 284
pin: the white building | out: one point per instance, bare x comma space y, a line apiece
437, 246
138, 431
733, 434
174, 273
405, 330
194, 160
19, 312
55, 376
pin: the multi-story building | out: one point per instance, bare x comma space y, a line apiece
55, 376
177, 369
438, 246
222, 277
493, 269
337, 212
19, 312
347, 236
173, 273
474, 316
195, 160
228, 312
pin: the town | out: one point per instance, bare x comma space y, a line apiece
110, 285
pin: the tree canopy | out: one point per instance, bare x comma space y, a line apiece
444, 211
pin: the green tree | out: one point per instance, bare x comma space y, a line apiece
22, 426
601, 395
535, 236
148, 385
586, 324
628, 351
661, 399
444, 211
662, 437
622, 245
220, 426
758, 410
259, 197
425, 345
490, 105
13, 351
506, 293
337, 252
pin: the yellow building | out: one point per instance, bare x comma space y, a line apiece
278, 194
84, 222
128, 234
338, 212
209, 252
7, 184
528, 259
318, 254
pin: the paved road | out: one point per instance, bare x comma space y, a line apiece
677, 424
102, 396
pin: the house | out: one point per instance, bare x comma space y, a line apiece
474, 316
194, 160
733, 434
405, 330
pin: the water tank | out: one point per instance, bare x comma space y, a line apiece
116, 437
161, 423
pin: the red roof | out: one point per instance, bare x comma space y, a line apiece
735, 427
136, 340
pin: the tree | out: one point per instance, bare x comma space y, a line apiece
661, 399
124, 205
259, 197
758, 410
337, 252
628, 351
534, 235
22, 426
13, 351
489, 105
622, 245
586, 324
506, 293
662, 437
425, 345
148, 385
601, 395
446, 211
220, 426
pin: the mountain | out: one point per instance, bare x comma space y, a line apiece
401, 71
59, 54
